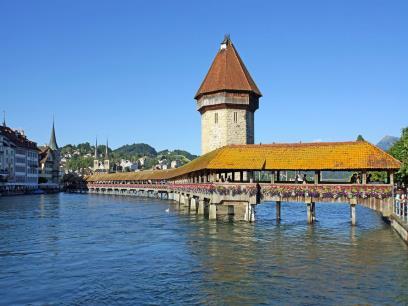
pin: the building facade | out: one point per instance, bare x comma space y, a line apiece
18, 161
7, 153
127, 165
101, 166
227, 100
49, 162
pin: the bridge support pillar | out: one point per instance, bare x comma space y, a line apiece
314, 212
212, 213
201, 204
193, 206
187, 201
250, 212
278, 211
353, 215
309, 210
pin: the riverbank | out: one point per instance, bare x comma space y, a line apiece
10, 193
399, 226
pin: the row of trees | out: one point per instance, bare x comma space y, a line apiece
400, 151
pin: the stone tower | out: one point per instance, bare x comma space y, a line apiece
106, 162
96, 157
56, 155
227, 100
53, 140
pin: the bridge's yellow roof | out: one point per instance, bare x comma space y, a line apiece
355, 155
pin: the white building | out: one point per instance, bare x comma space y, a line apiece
175, 164
127, 164
18, 161
142, 161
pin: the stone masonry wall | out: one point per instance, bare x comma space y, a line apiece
226, 130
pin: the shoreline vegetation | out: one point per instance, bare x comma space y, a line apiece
81, 156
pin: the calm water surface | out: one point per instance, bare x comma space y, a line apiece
90, 249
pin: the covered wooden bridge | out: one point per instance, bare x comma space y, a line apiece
232, 180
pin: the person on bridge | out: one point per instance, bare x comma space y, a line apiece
298, 178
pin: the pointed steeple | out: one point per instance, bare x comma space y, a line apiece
4, 118
96, 148
107, 151
53, 140
227, 73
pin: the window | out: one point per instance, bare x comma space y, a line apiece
235, 117
216, 118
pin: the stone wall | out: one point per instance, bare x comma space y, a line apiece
400, 227
226, 118
226, 126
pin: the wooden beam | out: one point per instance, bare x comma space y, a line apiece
364, 178
317, 175
391, 178
272, 177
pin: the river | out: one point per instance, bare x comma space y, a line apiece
70, 249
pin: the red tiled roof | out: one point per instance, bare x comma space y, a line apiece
227, 72
340, 156
17, 138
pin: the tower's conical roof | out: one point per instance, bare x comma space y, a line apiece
227, 73
53, 140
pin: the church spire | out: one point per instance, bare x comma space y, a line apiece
53, 140
4, 118
96, 148
107, 150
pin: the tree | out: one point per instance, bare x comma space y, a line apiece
72, 181
84, 148
400, 151
42, 180
360, 138
78, 162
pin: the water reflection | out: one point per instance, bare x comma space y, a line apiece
79, 249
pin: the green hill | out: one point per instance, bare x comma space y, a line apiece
81, 155
136, 149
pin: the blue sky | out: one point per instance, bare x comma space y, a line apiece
128, 70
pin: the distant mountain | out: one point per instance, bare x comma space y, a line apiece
387, 142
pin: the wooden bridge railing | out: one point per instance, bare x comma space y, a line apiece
268, 191
401, 207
